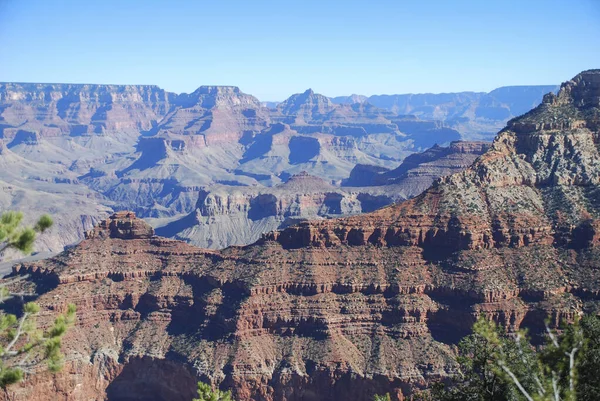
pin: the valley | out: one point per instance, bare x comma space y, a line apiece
216, 167
340, 308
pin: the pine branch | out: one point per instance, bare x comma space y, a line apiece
571, 356
17, 335
552, 336
515, 380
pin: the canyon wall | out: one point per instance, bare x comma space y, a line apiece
341, 308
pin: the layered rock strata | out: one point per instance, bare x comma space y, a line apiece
229, 215
343, 308
100, 148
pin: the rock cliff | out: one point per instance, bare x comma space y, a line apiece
76, 110
420, 169
343, 308
234, 215
101, 148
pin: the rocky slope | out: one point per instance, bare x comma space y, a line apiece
419, 170
114, 147
38, 188
227, 215
74, 110
234, 215
343, 308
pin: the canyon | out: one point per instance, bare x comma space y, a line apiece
340, 308
476, 115
229, 215
81, 152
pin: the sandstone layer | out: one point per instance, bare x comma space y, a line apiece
233, 215
342, 308
95, 149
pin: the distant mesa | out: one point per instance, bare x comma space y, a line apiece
303, 182
218, 90
99, 148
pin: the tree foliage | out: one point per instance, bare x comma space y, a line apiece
588, 369
14, 235
479, 378
206, 393
499, 367
22, 344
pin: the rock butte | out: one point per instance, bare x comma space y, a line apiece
227, 215
345, 308
81, 152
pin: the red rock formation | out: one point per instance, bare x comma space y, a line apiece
121, 225
344, 308
136, 147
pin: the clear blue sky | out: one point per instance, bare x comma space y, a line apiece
272, 49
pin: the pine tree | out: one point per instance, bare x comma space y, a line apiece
206, 393
14, 235
498, 367
21, 344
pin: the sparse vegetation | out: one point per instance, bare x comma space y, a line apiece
206, 393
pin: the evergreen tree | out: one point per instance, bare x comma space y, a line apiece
14, 235
588, 369
21, 344
206, 393
499, 367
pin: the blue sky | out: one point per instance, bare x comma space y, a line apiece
272, 49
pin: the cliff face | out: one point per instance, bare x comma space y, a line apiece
233, 215
220, 114
540, 174
100, 148
75, 110
420, 169
344, 308
230, 215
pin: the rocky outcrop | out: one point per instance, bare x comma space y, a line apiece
227, 215
220, 114
310, 112
346, 308
421, 169
513, 196
122, 225
306, 107
140, 148
233, 215
75, 110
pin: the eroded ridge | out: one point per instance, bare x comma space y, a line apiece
342, 308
